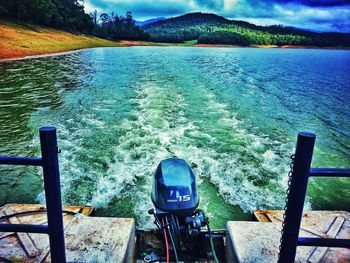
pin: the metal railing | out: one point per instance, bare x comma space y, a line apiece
294, 208
49, 163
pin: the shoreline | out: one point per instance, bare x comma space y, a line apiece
123, 43
270, 46
128, 43
42, 55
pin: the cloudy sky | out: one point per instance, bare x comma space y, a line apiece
321, 15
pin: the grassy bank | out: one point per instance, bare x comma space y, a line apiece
26, 40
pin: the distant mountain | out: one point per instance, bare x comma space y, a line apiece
149, 21
305, 29
197, 18
214, 29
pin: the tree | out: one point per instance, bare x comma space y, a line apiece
128, 19
105, 18
93, 15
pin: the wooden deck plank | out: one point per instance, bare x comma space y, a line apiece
6, 234
87, 238
23, 238
316, 222
44, 242
11, 249
319, 252
260, 216
264, 237
104, 240
86, 210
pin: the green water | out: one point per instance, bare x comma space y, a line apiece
232, 113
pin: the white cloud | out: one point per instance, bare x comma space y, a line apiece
90, 7
229, 4
259, 12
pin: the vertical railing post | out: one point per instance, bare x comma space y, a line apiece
296, 196
49, 152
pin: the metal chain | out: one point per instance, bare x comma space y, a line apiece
292, 157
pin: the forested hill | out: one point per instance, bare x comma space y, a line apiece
214, 29
69, 15
63, 14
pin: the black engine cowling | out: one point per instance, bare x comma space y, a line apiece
174, 187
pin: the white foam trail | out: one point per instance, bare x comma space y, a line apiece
251, 173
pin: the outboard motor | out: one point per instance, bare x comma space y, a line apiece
174, 188
175, 197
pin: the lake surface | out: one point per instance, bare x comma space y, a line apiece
232, 113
